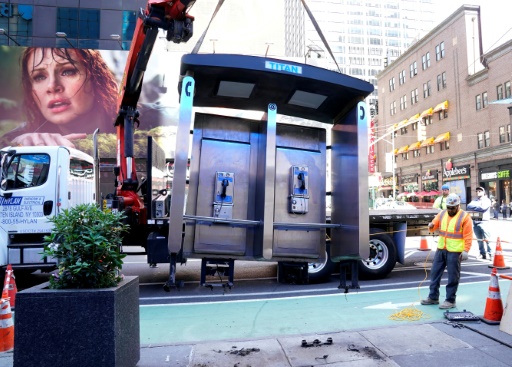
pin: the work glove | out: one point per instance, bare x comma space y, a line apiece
463, 256
430, 226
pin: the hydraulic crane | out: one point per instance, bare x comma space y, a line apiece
172, 17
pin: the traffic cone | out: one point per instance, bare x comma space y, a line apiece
6, 326
10, 290
499, 261
424, 244
493, 307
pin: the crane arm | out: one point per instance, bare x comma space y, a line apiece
172, 17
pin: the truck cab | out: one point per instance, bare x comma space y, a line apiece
37, 183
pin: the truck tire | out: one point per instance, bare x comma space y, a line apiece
321, 272
382, 257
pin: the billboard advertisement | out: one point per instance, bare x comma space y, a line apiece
59, 96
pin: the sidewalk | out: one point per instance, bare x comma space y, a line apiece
271, 332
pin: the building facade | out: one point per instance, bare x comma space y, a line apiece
438, 119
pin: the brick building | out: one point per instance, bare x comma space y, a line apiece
438, 119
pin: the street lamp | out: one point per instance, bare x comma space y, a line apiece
117, 38
65, 36
3, 32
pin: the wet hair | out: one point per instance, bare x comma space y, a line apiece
102, 80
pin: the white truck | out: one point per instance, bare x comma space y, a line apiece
37, 183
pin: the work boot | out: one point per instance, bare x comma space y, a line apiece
446, 305
482, 257
429, 301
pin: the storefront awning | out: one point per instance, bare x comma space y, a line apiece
426, 113
403, 149
395, 152
441, 106
442, 137
415, 146
402, 124
414, 118
427, 142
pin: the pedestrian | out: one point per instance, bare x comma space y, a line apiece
440, 202
504, 208
455, 236
495, 208
481, 205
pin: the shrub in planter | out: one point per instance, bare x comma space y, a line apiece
86, 242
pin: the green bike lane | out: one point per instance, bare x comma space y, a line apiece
266, 318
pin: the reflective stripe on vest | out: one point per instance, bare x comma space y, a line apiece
450, 235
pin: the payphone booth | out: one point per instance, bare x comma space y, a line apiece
257, 188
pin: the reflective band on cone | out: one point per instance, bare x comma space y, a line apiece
6, 327
10, 289
499, 260
493, 306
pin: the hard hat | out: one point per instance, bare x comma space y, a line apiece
452, 200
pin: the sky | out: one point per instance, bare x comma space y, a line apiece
495, 17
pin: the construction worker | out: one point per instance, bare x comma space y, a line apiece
440, 202
455, 235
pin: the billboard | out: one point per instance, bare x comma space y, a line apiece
54, 96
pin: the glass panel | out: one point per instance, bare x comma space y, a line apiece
67, 21
89, 23
25, 170
16, 20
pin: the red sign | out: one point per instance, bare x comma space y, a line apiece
371, 149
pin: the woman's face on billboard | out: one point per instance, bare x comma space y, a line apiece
62, 90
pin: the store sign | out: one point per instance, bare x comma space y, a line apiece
408, 179
388, 181
456, 172
495, 175
430, 175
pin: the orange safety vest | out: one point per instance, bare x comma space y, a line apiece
450, 235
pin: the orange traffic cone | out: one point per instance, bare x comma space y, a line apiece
6, 326
10, 290
499, 261
424, 244
493, 307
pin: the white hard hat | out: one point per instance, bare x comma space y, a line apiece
452, 200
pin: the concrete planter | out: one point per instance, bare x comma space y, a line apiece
78, 327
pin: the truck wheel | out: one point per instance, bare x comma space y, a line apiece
321, 272
382, 257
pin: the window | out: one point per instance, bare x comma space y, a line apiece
401, 77
425, 61
443, 114
413, 69
508, 132
440, 51
480, 140
405, 156
507, 90
414, 96
485, 102
403, 103
503, 137
25, 170
445, 145
487, 138
16, 21
392, 84
430, 149
443, 76
478, 102
428, 120
392, 108
499, 92
416, 153
78, 24
426, 89
414, 126
441, 81
403, 130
